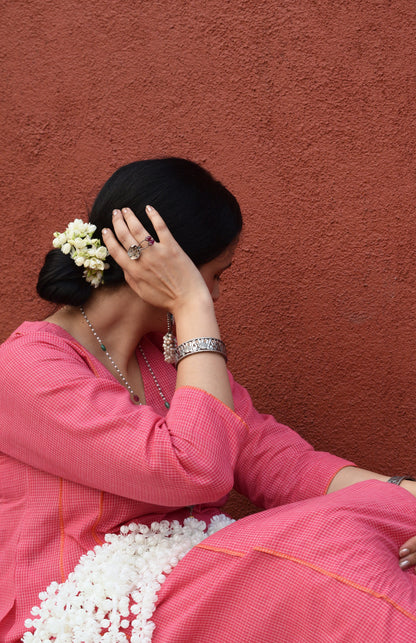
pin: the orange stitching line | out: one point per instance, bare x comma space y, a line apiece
98, 540
337, 577
336, 472
222, 551
62, 530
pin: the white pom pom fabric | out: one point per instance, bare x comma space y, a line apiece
116, 585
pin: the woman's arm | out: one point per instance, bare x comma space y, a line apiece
276, 465
350, 475
58, 417
165, 277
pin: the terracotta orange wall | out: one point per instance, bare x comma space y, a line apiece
306, 110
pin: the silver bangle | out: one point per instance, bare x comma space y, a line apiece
200, 345
399, 479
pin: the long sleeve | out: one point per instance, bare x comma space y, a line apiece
57, 416
275, 465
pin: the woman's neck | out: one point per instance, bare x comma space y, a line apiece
119, 318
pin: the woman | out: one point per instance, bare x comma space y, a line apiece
98, 431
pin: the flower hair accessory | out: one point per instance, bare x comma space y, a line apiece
78, 242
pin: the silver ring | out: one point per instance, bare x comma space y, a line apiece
134, 252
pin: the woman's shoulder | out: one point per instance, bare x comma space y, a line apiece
36, 338
36, 331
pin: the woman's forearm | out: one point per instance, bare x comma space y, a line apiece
350, 475
206, 371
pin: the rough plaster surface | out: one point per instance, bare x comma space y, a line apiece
306, 110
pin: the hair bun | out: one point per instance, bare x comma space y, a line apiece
61, 281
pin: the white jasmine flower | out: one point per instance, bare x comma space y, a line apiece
60, 239
78, 226
102, 252
79, 242
85, 250
95, 264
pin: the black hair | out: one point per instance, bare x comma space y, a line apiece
202, 215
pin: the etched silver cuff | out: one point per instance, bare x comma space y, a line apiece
399, 479
200, 345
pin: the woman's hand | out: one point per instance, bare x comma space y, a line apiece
163, 275
407, 553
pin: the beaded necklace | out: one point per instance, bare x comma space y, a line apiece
133, 396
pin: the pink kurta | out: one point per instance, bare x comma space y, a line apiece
79, 460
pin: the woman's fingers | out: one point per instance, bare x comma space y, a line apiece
114, 248
159, 225
407, 553
164, 275
128, 229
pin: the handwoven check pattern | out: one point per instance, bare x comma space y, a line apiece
79, 460
321, 570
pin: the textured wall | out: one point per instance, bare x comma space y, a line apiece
306, 111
